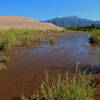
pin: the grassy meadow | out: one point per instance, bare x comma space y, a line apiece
24, 37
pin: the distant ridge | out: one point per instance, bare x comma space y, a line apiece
19, 22
72, 22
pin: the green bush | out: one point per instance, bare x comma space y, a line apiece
95, 39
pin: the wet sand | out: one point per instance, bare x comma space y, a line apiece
27, 65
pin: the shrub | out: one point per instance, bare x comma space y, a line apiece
95, 39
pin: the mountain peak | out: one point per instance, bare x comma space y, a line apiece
72, 22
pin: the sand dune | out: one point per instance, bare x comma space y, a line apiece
19, 22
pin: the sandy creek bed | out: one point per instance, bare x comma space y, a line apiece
27, 65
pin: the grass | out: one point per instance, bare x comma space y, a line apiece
24, 40
17, 36
2, 67
77, 88
95, 39
22, 37
30, 31
95, 33
3, 59
52, 40
6, 39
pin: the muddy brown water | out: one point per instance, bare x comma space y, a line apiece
27, 65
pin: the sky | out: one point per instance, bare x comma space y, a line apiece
48, 9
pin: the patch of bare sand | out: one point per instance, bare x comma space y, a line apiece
19, 22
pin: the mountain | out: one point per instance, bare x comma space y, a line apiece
72, 22
19, 22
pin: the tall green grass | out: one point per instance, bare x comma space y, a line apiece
95, 33
76, 88
6, 39
14, 36
27, 31
95, 37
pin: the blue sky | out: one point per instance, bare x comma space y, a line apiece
47, 9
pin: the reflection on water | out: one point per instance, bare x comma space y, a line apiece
72, 47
